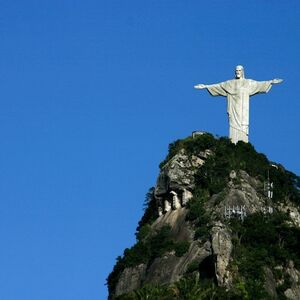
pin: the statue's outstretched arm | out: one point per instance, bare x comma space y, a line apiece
200, 86
276, 81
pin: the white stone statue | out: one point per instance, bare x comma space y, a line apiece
238, 92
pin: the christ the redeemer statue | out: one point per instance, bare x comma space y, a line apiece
238, 92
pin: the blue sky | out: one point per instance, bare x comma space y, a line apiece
92, 93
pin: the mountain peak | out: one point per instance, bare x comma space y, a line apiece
223, 220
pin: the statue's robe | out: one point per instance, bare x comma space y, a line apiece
238, 92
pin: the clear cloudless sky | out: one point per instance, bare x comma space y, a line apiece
91, 94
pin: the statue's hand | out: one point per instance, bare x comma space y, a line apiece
200, 86
277, 80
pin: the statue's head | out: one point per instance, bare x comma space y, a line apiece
239, 72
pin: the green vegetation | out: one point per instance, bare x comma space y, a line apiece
262, 241
150, 210
188, 288
198, 215
181, 248
192, 267
214, 175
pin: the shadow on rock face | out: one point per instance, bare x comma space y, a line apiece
207, 268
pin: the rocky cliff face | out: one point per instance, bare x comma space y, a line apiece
221, 213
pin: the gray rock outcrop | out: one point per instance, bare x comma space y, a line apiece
221, 248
